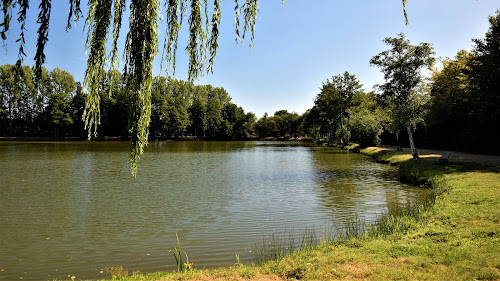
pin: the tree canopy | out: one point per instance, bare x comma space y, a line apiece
465, 108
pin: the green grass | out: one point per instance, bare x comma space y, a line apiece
454, 234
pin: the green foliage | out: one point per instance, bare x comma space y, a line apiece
282, 125
140, 50
342, 134
179, 108
97, 22
62, 88
331, 105
366, 127
367, 119
464, 96
27, 109
451, 111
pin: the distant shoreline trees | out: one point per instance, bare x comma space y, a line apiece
55, 108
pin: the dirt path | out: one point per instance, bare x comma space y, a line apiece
463, 157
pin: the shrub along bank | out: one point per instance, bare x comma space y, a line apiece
453, 235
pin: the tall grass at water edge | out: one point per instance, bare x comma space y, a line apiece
398, 221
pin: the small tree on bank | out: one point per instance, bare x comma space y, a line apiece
402, 67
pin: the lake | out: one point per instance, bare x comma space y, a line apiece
73, 208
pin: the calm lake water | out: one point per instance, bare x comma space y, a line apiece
73, 208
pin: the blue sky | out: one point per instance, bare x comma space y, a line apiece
297, 47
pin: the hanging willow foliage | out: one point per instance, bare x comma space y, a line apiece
140, 51
175, 14
43, 36
119, 8
23, 9
141, 47
97, 22
74, 13
404, 11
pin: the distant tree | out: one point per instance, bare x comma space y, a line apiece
180, 94
77, 106
239, 122
266, 127
465, 99
113, 109
9, 93
402, 67
160, 107
330, 110
198, 118
217, 99
62, 88
367, 119
27, 102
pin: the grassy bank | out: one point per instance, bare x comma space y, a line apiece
453, 235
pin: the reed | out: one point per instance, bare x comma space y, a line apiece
276, 247
178, 257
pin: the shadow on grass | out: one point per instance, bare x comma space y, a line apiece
423, 172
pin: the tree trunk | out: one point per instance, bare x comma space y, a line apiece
11, 116
412, 144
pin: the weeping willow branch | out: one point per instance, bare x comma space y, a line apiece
119, 8
7, 11
404, 11
98, 22
237, 21
23, 9
250, 10
196, 48
174, 12
140, 50
43, 36
74, 13
214, 36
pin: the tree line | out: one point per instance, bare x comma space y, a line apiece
54, 107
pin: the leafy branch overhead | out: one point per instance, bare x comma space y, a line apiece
104, 20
